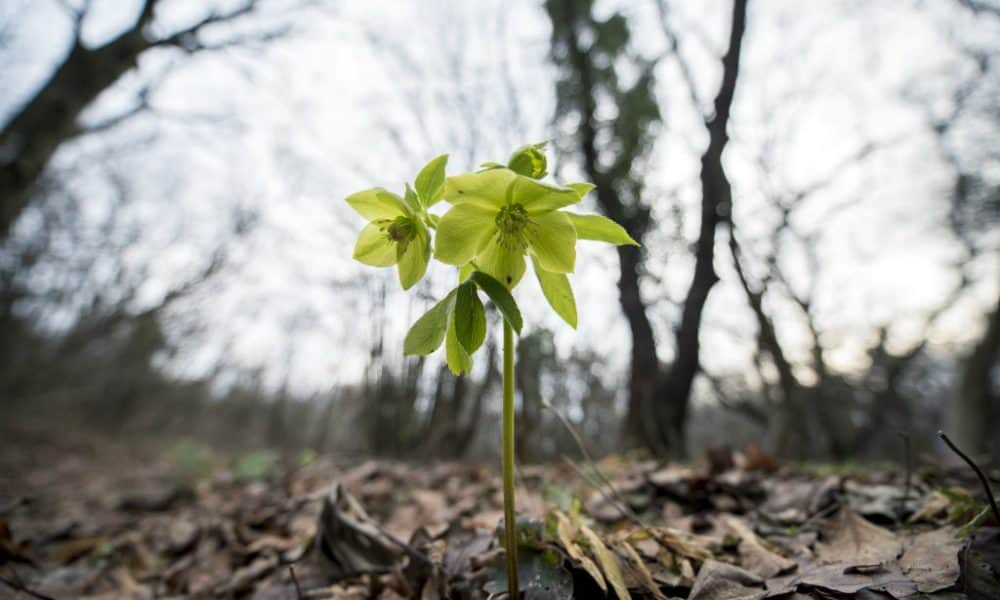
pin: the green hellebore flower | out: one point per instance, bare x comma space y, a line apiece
395, 235
498, 217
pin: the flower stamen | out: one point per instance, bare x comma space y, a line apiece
399, 231
513, 225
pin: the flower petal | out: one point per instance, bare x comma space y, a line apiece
413, 263
582, 188
373, 248
485, 188
601, 229
552, 241
538, 197
462, 231
505, 265
558, 291
377, 203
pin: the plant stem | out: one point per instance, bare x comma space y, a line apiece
979, 473
509, 514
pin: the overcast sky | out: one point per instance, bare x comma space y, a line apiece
363, 92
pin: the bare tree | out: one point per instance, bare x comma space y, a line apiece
716, 208
658, 396
51, 116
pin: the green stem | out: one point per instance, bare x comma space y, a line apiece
509, 514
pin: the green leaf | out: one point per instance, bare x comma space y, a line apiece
430, 181
377, 203
373, 248
500, 296
426, 335
470, 318
553, 242
457, 357
411, 200
543, 575
601, 229
258, 466
581, 188
461, 233
558, 292
413, 263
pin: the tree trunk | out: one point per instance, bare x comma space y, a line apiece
645, 372
976, 394
716, 206
29, 140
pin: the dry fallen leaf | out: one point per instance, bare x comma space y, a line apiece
930, 559
637, 565
933, 505
845, 580
608, 561
348, 543
754, 555
853, 541
567, 532
720, 581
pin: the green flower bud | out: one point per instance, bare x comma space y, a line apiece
529, 161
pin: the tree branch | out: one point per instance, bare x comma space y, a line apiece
682, 64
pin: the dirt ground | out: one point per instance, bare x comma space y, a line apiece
98, 519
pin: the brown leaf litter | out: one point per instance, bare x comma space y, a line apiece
739, 527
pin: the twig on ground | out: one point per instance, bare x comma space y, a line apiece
622, 507
20, 587
295, 582
591, 463
979, 473
615, 498
907, 460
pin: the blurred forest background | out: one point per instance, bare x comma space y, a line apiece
816, 191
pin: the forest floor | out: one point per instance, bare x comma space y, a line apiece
99, 520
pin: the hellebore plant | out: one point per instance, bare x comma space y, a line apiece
500, 217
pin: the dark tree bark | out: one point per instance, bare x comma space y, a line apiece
619, 190
50, 118
645, 372
977, 398
644, 366
716, 206
791, 410
658, 399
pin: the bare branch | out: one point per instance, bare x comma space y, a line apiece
756, 414
981, 7
682, 64
77, 13
187, 39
